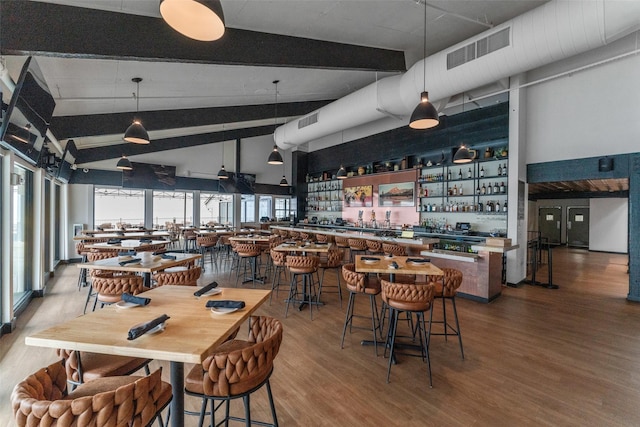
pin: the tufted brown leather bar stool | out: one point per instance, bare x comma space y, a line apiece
94, 256
207, 244
279, 261
374, 247
109, 289
357, 246
302, 268
343, 243
323, 238
236, 370
394, 249
188, 277
42, 399
414, 299
361, 284
82, 276
248, 253
446, 289
333, 261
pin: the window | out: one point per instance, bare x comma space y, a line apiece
283, 208
117, 207
172, 207
248, 208
22, 235
265, 207
214, 207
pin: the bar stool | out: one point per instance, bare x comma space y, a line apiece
189, 240
446, 288
343, 243
94, 256
82, 276
304, 235
248, 253
186, 277
109, 288
302, 268
207, 244
332, 262
279, 262
374, 247
357, 246
360, 283
394, 249
322, 238
414, 299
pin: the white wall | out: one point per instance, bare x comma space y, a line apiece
80, 212
609, 225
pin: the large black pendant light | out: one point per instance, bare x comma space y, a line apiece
136, 133
424, 116
201, 20
124, 164
342, 172
283, 181
463, 155
275, 158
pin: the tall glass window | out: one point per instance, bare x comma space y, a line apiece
283, 208
213, 208
172, 207
248, 208
117, 207
22, 235
265, 207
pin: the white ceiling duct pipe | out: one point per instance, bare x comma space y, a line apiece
552, 32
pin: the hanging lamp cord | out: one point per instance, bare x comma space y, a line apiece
424, 47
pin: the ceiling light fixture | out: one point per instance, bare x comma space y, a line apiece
136, 133
283, 181
464, 155
342, 172
275, 158
201, 20
222, 173
424, 116
124, 164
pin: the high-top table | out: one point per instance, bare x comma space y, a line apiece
382, 264
191, 334
125, 245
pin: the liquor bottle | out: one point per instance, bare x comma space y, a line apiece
504, 207
480, 207
504, 170
503, 189
496, 188
460, 190
497, 206
489, 189
455, 190
469, 174
478, 189
481, 171
460, 173
483, 191
499, 170
449, 175
488, 207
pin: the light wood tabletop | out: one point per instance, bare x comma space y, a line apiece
382, 264
311, 247
157, 263
250, 239
125, 245
121, 235
191, 334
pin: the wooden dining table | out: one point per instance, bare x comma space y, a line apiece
124, 245
121, 235
383, 265
191, 333
157, 264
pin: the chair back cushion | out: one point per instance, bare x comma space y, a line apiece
408, 297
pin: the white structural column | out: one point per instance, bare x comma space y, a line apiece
6, 299
517, 215
38, 237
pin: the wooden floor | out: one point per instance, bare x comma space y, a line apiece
534, 356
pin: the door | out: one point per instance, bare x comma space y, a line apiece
549, 223
578, 226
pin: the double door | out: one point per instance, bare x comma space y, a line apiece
550, 223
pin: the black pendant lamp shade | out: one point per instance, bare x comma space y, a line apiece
342, 173
201, 20
222, 173
283, 182
463, 155
424, 116
275, 158
124, 164
136, 133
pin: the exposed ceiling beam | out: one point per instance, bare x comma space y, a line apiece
65, 127
115, 151
48, 29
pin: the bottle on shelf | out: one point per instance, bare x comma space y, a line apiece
497, 206
504, 207
469, 173
460, 173
460, 190
503, 189
483, 191
496, 188
481, 171
478, 189
449, 175
504, 169
489, 188
455, 189
499, 170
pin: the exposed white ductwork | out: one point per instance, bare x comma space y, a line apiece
552, 32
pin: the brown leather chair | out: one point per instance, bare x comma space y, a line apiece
361, 284
279, 262
333, 261
248, 253
207, 244
394, 249
42, 399
343, 243
109, 289
374, 247
188, 277
189, 240
414, 299
83, 366
357, 246
82, 276
446, 289
237, 369
302, 268
95, 256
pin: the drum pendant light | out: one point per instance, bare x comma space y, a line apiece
201, 20
124, 164
136, 133
283, 181
463, 155
275, 158
222, 173
424, 116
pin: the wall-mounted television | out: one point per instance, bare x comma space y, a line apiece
146, 175
68, 159
243, 183
28, 115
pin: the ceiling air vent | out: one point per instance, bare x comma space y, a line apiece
479, 48
309, 120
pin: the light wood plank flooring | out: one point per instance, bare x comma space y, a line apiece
534, 356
